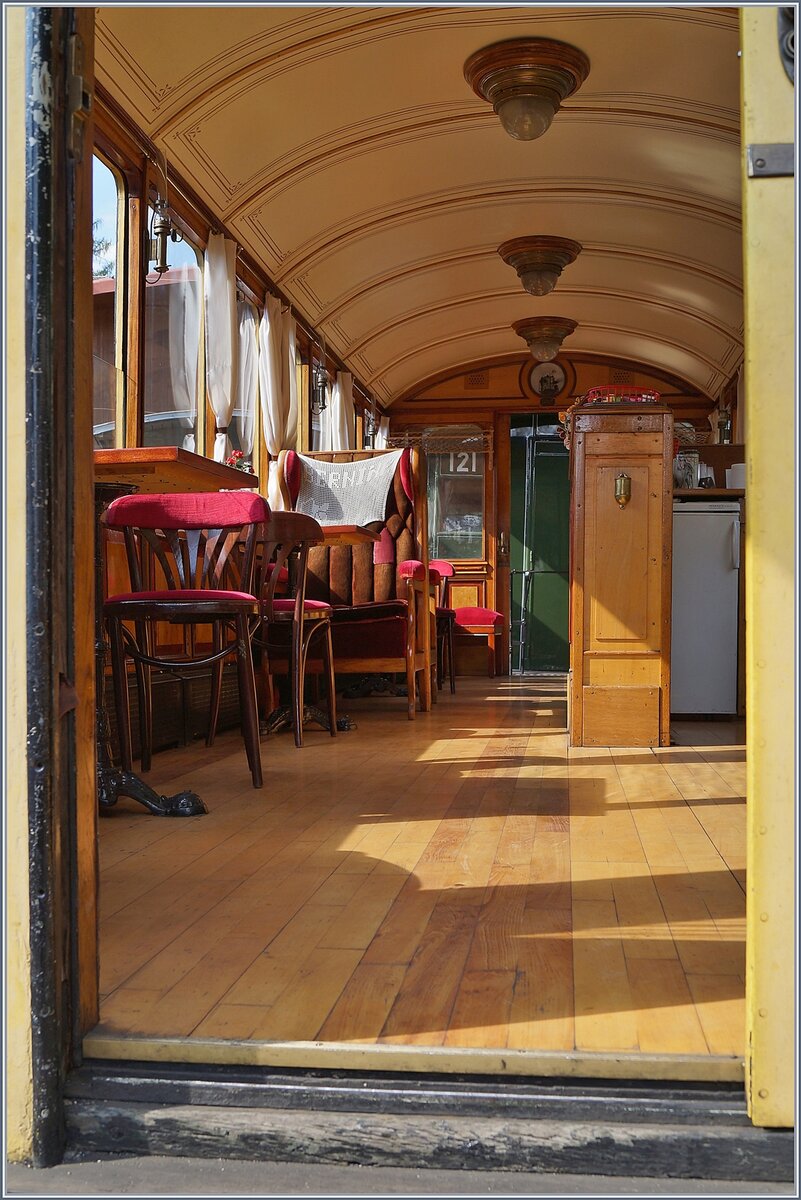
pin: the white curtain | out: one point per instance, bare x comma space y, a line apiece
343, 413
381, 434
221, 335
247, 383
278, 388
183, 318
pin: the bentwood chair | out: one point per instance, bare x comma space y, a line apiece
290, 623
204, 545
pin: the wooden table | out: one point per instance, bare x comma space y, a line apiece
168, 469
120, 472
349, 535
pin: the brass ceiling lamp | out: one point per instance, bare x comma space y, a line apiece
539, 260
525, 80
544, 335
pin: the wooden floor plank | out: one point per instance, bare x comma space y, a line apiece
667, 1021
363, 1007
604, 1006
480, 1016
542, 1011
306, 1002
470, 881
421, 1013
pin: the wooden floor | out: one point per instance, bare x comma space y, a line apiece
463, 880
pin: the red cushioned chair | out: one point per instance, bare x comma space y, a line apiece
379, 616
205, 545
461, 622
475, 622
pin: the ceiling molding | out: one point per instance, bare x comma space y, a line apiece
639, 300
520, 360
318, 155
488, 252
469, 335
348, 29
334, 237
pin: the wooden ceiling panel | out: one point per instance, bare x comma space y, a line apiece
344, 149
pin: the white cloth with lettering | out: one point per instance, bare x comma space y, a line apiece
346, 493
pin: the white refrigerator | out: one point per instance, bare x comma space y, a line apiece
706, 568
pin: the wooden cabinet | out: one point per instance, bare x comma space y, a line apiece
620, 576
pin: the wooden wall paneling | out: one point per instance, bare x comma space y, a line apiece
621, 618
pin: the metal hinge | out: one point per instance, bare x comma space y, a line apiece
770, 160
79, 99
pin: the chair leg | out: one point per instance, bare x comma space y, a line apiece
411, 688
121, 702
216, 683
297, 680
440, 657
491, 654
451, 665
145, 699
328, 658
247, 699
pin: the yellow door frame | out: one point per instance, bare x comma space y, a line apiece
19, 1054
768, 110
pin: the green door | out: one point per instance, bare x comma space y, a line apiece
539, 546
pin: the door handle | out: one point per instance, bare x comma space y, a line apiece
503, 549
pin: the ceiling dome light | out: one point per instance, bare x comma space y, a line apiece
525, 80
544, 335
539, 260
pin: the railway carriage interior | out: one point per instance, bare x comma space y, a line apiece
328, 231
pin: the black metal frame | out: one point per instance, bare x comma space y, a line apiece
49, 208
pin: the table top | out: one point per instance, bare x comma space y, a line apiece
168, 469
348, 535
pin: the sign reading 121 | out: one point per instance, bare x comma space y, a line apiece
463, 462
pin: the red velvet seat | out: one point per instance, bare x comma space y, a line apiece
200, 543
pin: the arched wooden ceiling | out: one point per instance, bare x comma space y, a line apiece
346, 152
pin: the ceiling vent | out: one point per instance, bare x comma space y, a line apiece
476, 381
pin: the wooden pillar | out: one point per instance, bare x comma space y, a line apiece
620, 575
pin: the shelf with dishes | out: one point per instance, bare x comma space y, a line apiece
714, 493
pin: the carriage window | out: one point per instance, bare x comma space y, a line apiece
107, 190
173, 307
456, 504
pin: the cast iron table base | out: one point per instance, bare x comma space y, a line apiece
281, 718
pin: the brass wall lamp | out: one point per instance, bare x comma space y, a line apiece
623, 489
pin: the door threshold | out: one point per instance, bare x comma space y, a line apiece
350, 1056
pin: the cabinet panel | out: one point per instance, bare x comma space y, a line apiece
621, 716
620, 577
623, 563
